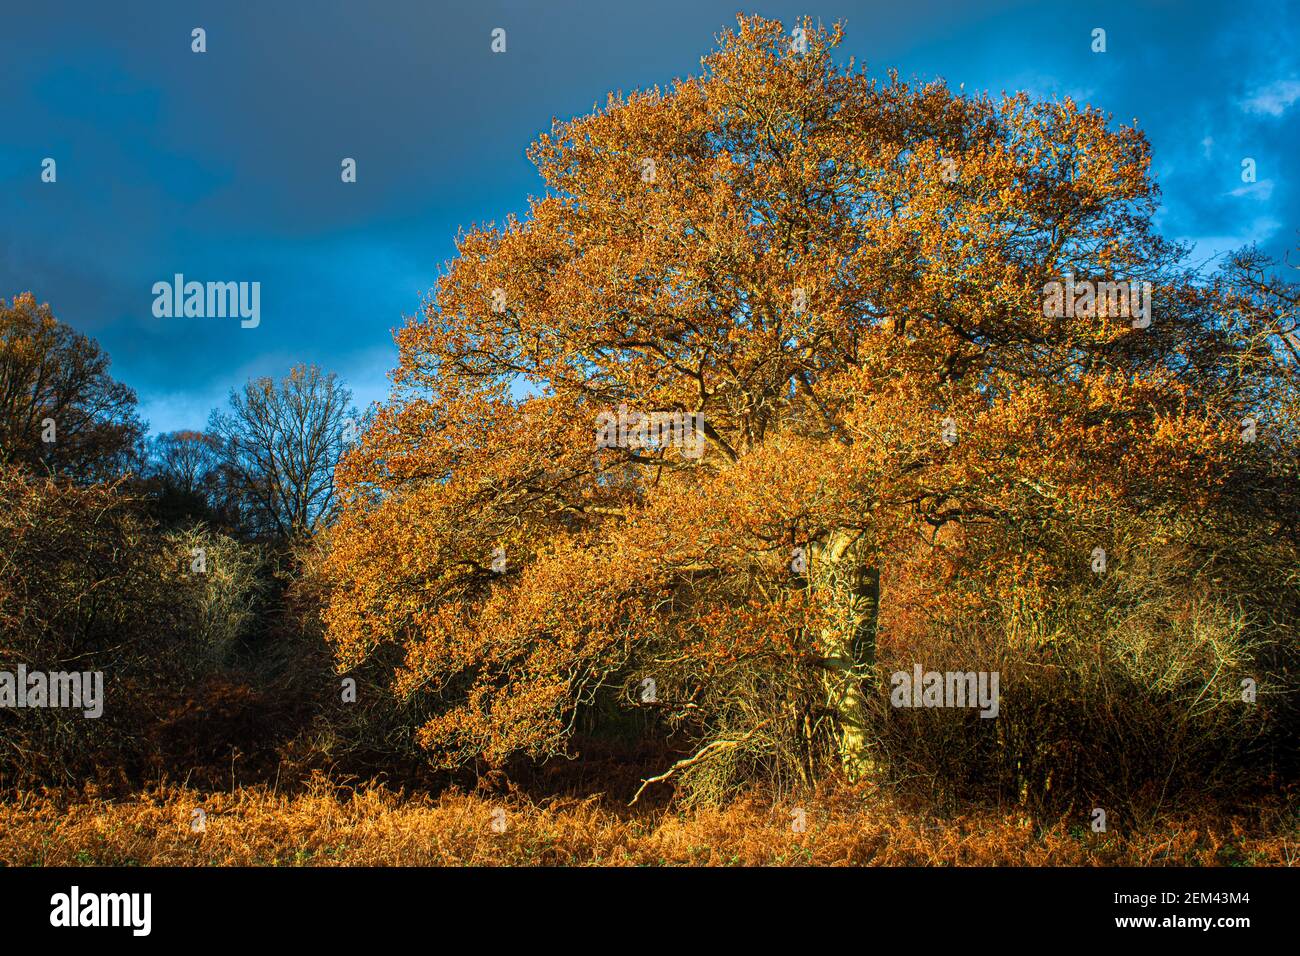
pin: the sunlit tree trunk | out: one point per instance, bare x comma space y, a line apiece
849, 642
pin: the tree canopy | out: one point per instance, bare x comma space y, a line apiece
60, 410
843, 282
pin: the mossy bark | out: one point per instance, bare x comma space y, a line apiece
848, 642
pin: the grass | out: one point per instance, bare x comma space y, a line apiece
323, 825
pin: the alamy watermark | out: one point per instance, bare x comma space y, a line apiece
130, 910
946, 689
210, 300
651, 430
67, 689
1086, 299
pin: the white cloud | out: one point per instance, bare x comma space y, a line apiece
1041, 86
1260, 230
365, 372
1262, 190
175, 411
1273, 99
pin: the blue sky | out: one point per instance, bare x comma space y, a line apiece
225, 165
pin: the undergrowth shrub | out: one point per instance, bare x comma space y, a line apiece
89, 585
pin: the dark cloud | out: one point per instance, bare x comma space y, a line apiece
225, 166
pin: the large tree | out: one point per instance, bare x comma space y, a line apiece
845, 279
280, 441
60, 410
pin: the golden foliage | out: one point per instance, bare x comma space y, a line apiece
779, 245
376, 827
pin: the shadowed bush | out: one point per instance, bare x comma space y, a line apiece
86, 585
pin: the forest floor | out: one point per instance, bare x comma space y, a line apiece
324, 825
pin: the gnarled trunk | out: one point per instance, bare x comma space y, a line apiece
841, 567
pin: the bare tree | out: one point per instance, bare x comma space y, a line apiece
185, 480
280, 443
186, 460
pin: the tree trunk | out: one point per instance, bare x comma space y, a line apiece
849, 641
